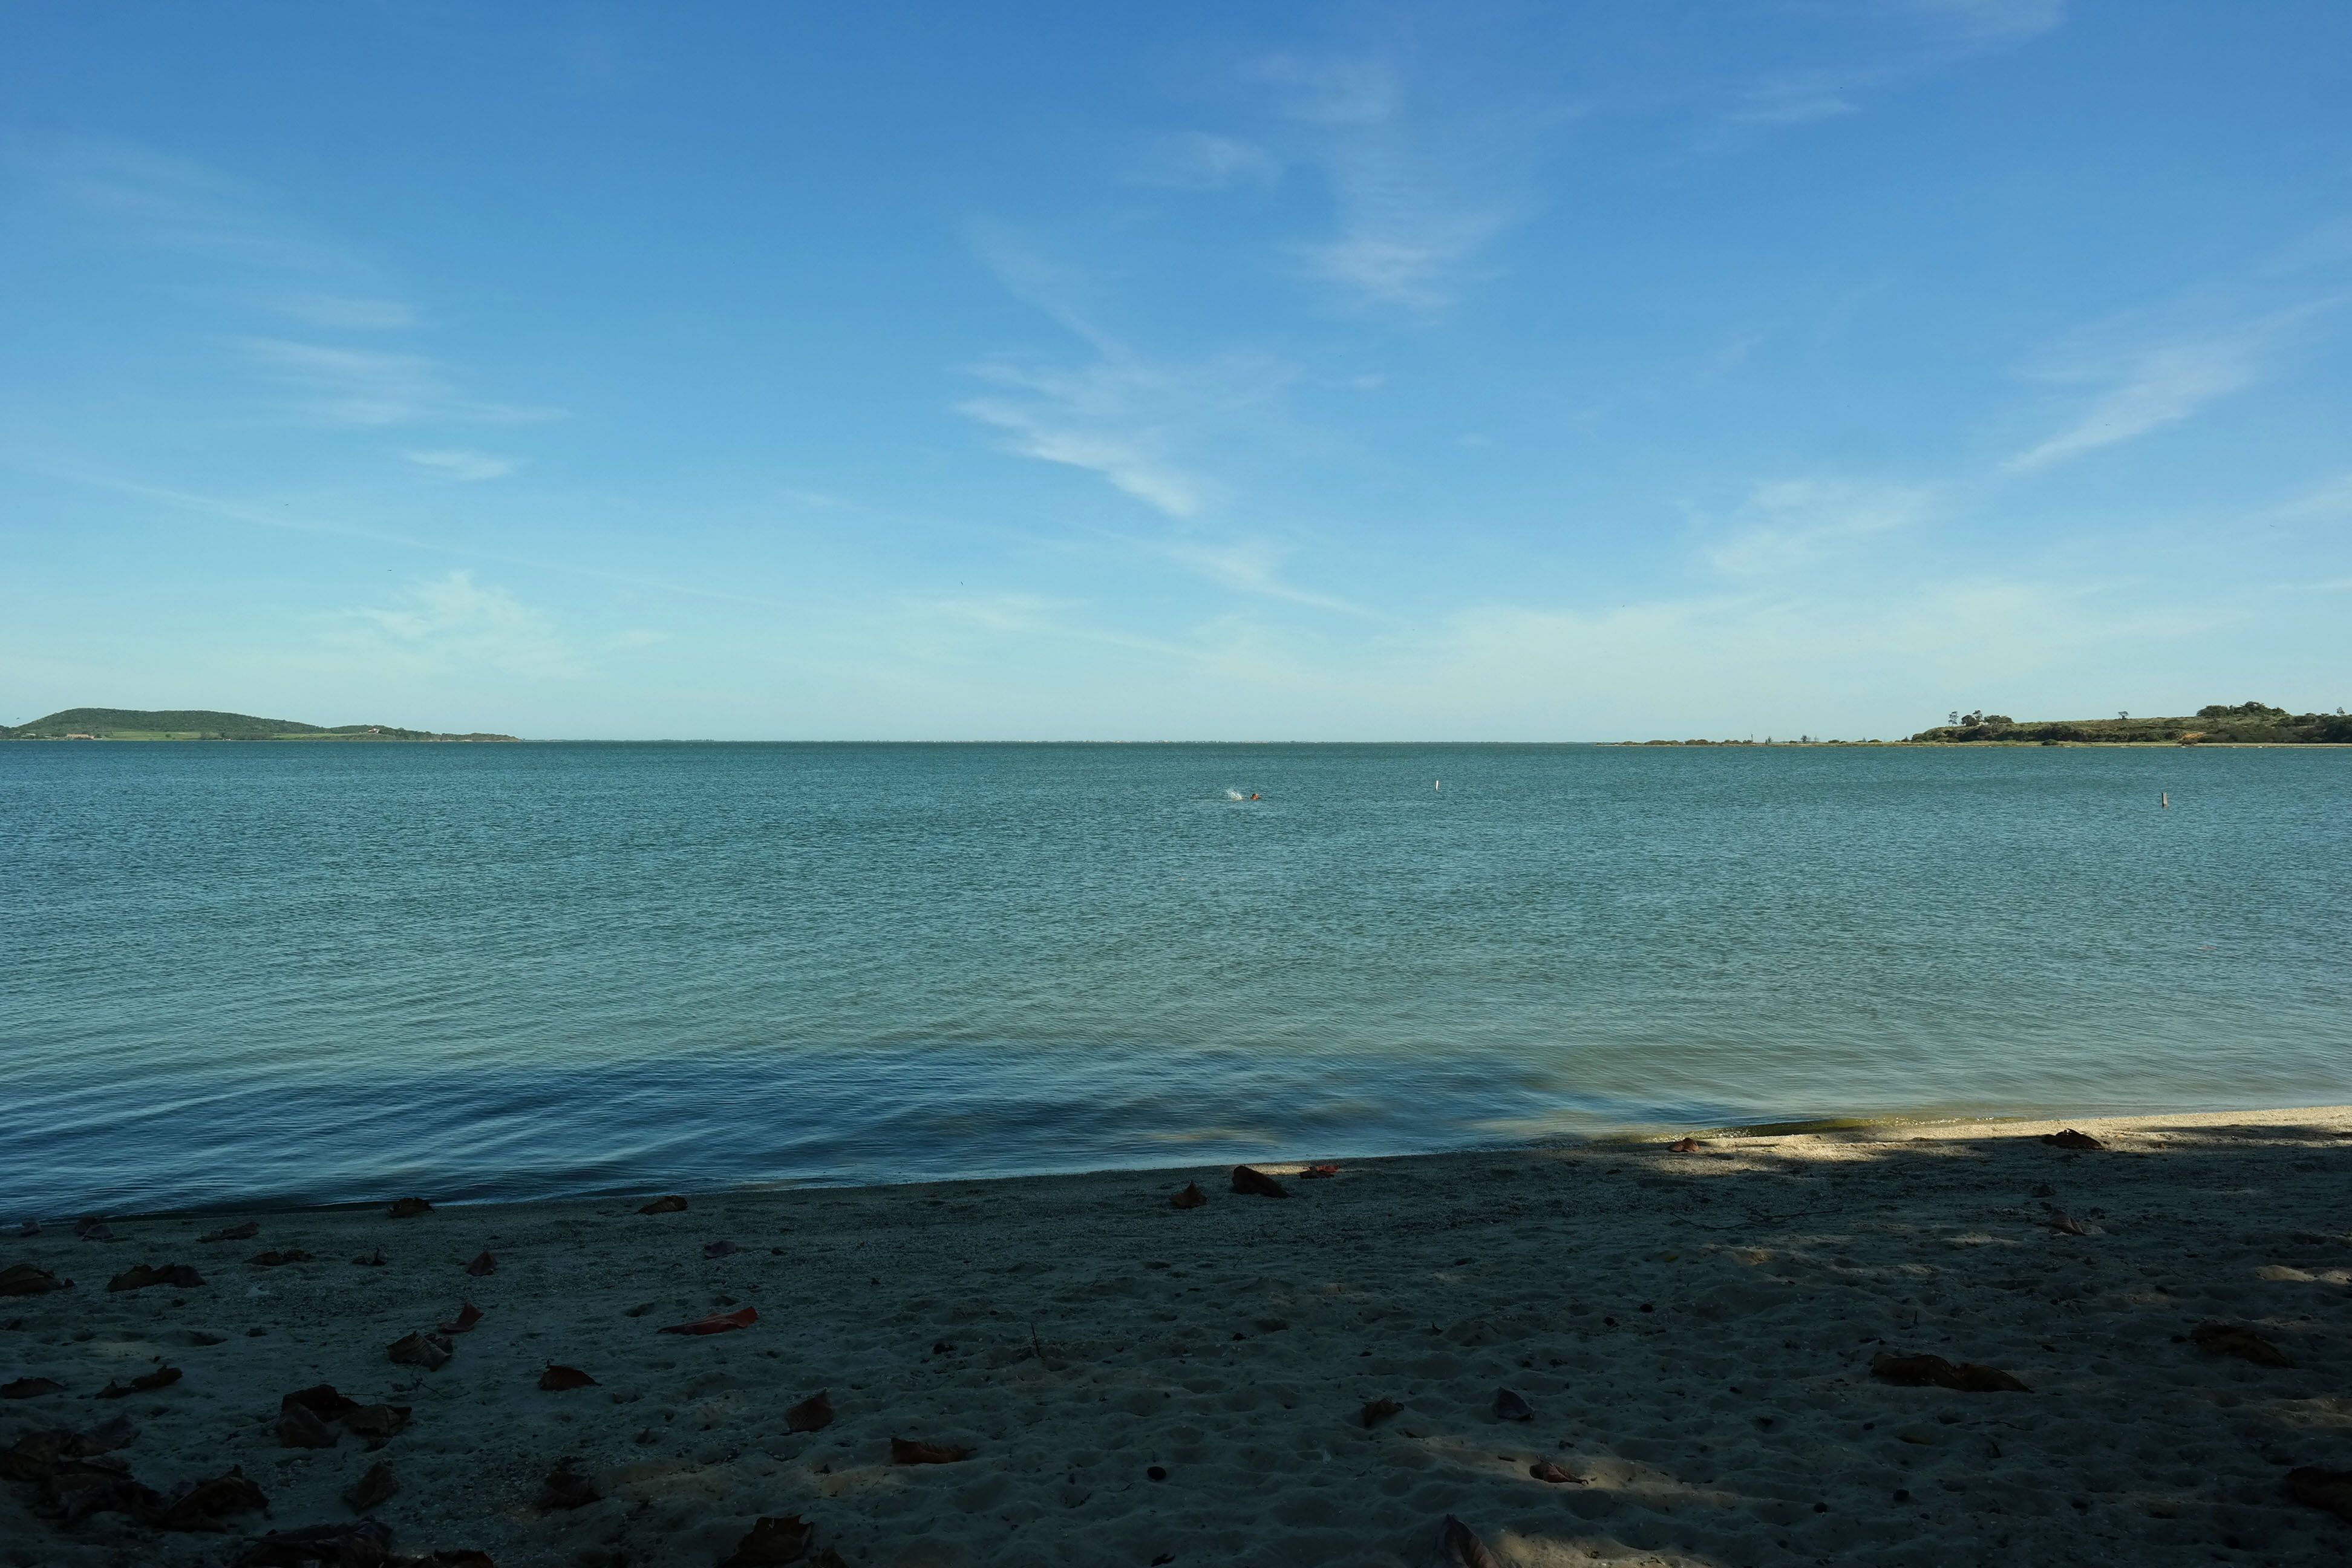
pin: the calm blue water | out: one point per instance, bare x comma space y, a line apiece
330, 973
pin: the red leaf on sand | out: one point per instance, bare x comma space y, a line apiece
566, 1487
483, 1263
145, 1383
1684, 1145
1458, 1546
670, 1205
556, 1379
1319, 1173
721, 1249
2228, 1339
771, 1540
1509, 1406
1545, 1470
30, 1388
24, 1280
2070, 1139
1192, 1197
810, 1415
906, 1451
1923, 1370
2330, 1489
1249, 1179
716, 1323
244, 1232
1379, 1410
408, 1208
430, 1352
467, 1316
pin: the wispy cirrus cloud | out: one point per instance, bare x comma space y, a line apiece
1881, 44
364, 387
1254, 566
343, 312
2151, 387
1200, 161
454, 624
468, 467
1787, 523
1133, 420
1415, 202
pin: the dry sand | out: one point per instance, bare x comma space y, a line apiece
1694, 1332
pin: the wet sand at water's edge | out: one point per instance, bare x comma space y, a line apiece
1692, 1335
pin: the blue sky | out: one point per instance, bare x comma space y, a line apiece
1217, 372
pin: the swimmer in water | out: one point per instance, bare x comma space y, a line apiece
1252, 795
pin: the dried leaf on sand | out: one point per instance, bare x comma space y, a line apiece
566, 1487
906, 1451
1256, 1182
556, 1379
482, 1263
670, 1205
1319, 1173
30, 1388
355, 1545
24, 1280
771, 1540
204, 1504
1925, 1371
2229, 1339
2330, 1489
375, 1422
467, 1316
408, 1208
1458, 1546
140, 1275
1192, 1197
2070, 1139
145, 1383
373, 1260
1684, 1145
721, 1249
299, 1426
273, 1258
371, 1489
1545, 1470
244, 1232
810, 1415
430, 1352
2060, 1220
1379, 1410
716, 1323
1509, 1406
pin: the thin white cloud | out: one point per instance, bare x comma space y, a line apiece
1254, 566
174, 203
1989, 21
453, 624
1787, 523
2152, 387
1198, 161
1414, 204
1133, 420
340, 313
1795, 100
464, 465
368, 387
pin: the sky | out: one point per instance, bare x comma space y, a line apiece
1567, 372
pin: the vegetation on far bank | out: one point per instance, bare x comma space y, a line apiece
200, 724
2243, 724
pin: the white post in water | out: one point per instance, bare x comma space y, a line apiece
2164, 799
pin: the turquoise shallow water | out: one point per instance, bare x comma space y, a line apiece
287, 973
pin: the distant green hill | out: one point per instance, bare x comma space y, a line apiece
2246, 724
198, 724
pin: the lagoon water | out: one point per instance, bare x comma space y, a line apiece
338, 973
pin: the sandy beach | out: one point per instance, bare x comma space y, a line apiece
1687, 1340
